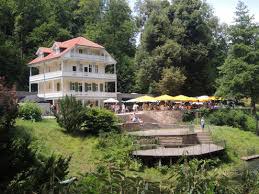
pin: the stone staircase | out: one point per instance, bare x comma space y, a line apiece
204, 137
170, 141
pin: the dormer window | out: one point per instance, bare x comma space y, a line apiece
62, 49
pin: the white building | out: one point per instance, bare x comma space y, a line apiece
77, 67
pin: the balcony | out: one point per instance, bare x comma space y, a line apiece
91, 75
94, 58
57, 74
49, 75
94, 95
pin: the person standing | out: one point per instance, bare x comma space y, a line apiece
135, 107
202, 123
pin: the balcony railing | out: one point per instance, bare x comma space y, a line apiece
49, 75
57, 74
90, 75
89, 94
96, 58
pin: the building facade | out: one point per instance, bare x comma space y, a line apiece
77, 67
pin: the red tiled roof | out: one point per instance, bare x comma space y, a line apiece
69, 44
45, 49
79, 41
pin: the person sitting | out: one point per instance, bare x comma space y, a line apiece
136, 119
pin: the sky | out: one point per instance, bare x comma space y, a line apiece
224, 9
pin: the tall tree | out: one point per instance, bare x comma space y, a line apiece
115, 29
171, 81
185, 34
239, 75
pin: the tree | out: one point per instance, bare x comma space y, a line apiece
239, 75
171, 81
184, 34
71, 114
10, 66
114, 28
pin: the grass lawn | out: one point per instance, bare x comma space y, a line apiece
51, 139
239, 143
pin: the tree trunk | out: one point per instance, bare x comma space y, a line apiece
253, 101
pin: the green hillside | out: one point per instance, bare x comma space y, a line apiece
52, 139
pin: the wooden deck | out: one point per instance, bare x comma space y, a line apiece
163, 132
253, 157
195, 150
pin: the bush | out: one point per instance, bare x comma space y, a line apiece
71, 114
234, 118
30, 111
8, 107
26, 170
98, 120
188, 116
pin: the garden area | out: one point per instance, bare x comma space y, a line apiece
103, 157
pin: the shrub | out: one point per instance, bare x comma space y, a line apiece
71, 114
26, 170
8, 107
188, 116
30, 111
98, 120
234, 118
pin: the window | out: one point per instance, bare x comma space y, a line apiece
80, 51
88, 87
72, 86
85, 69
101, 87
58, 86
80, 87
81, 68
76, 86
95, 87
96, 68
90, 68
74, 68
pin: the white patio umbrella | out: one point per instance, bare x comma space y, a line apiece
132, 100
203, 98
110, 100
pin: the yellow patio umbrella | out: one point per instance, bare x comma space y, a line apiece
164, 98
144, 99
215, 98
208, 98
184, 98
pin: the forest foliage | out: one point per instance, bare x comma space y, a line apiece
182, 39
